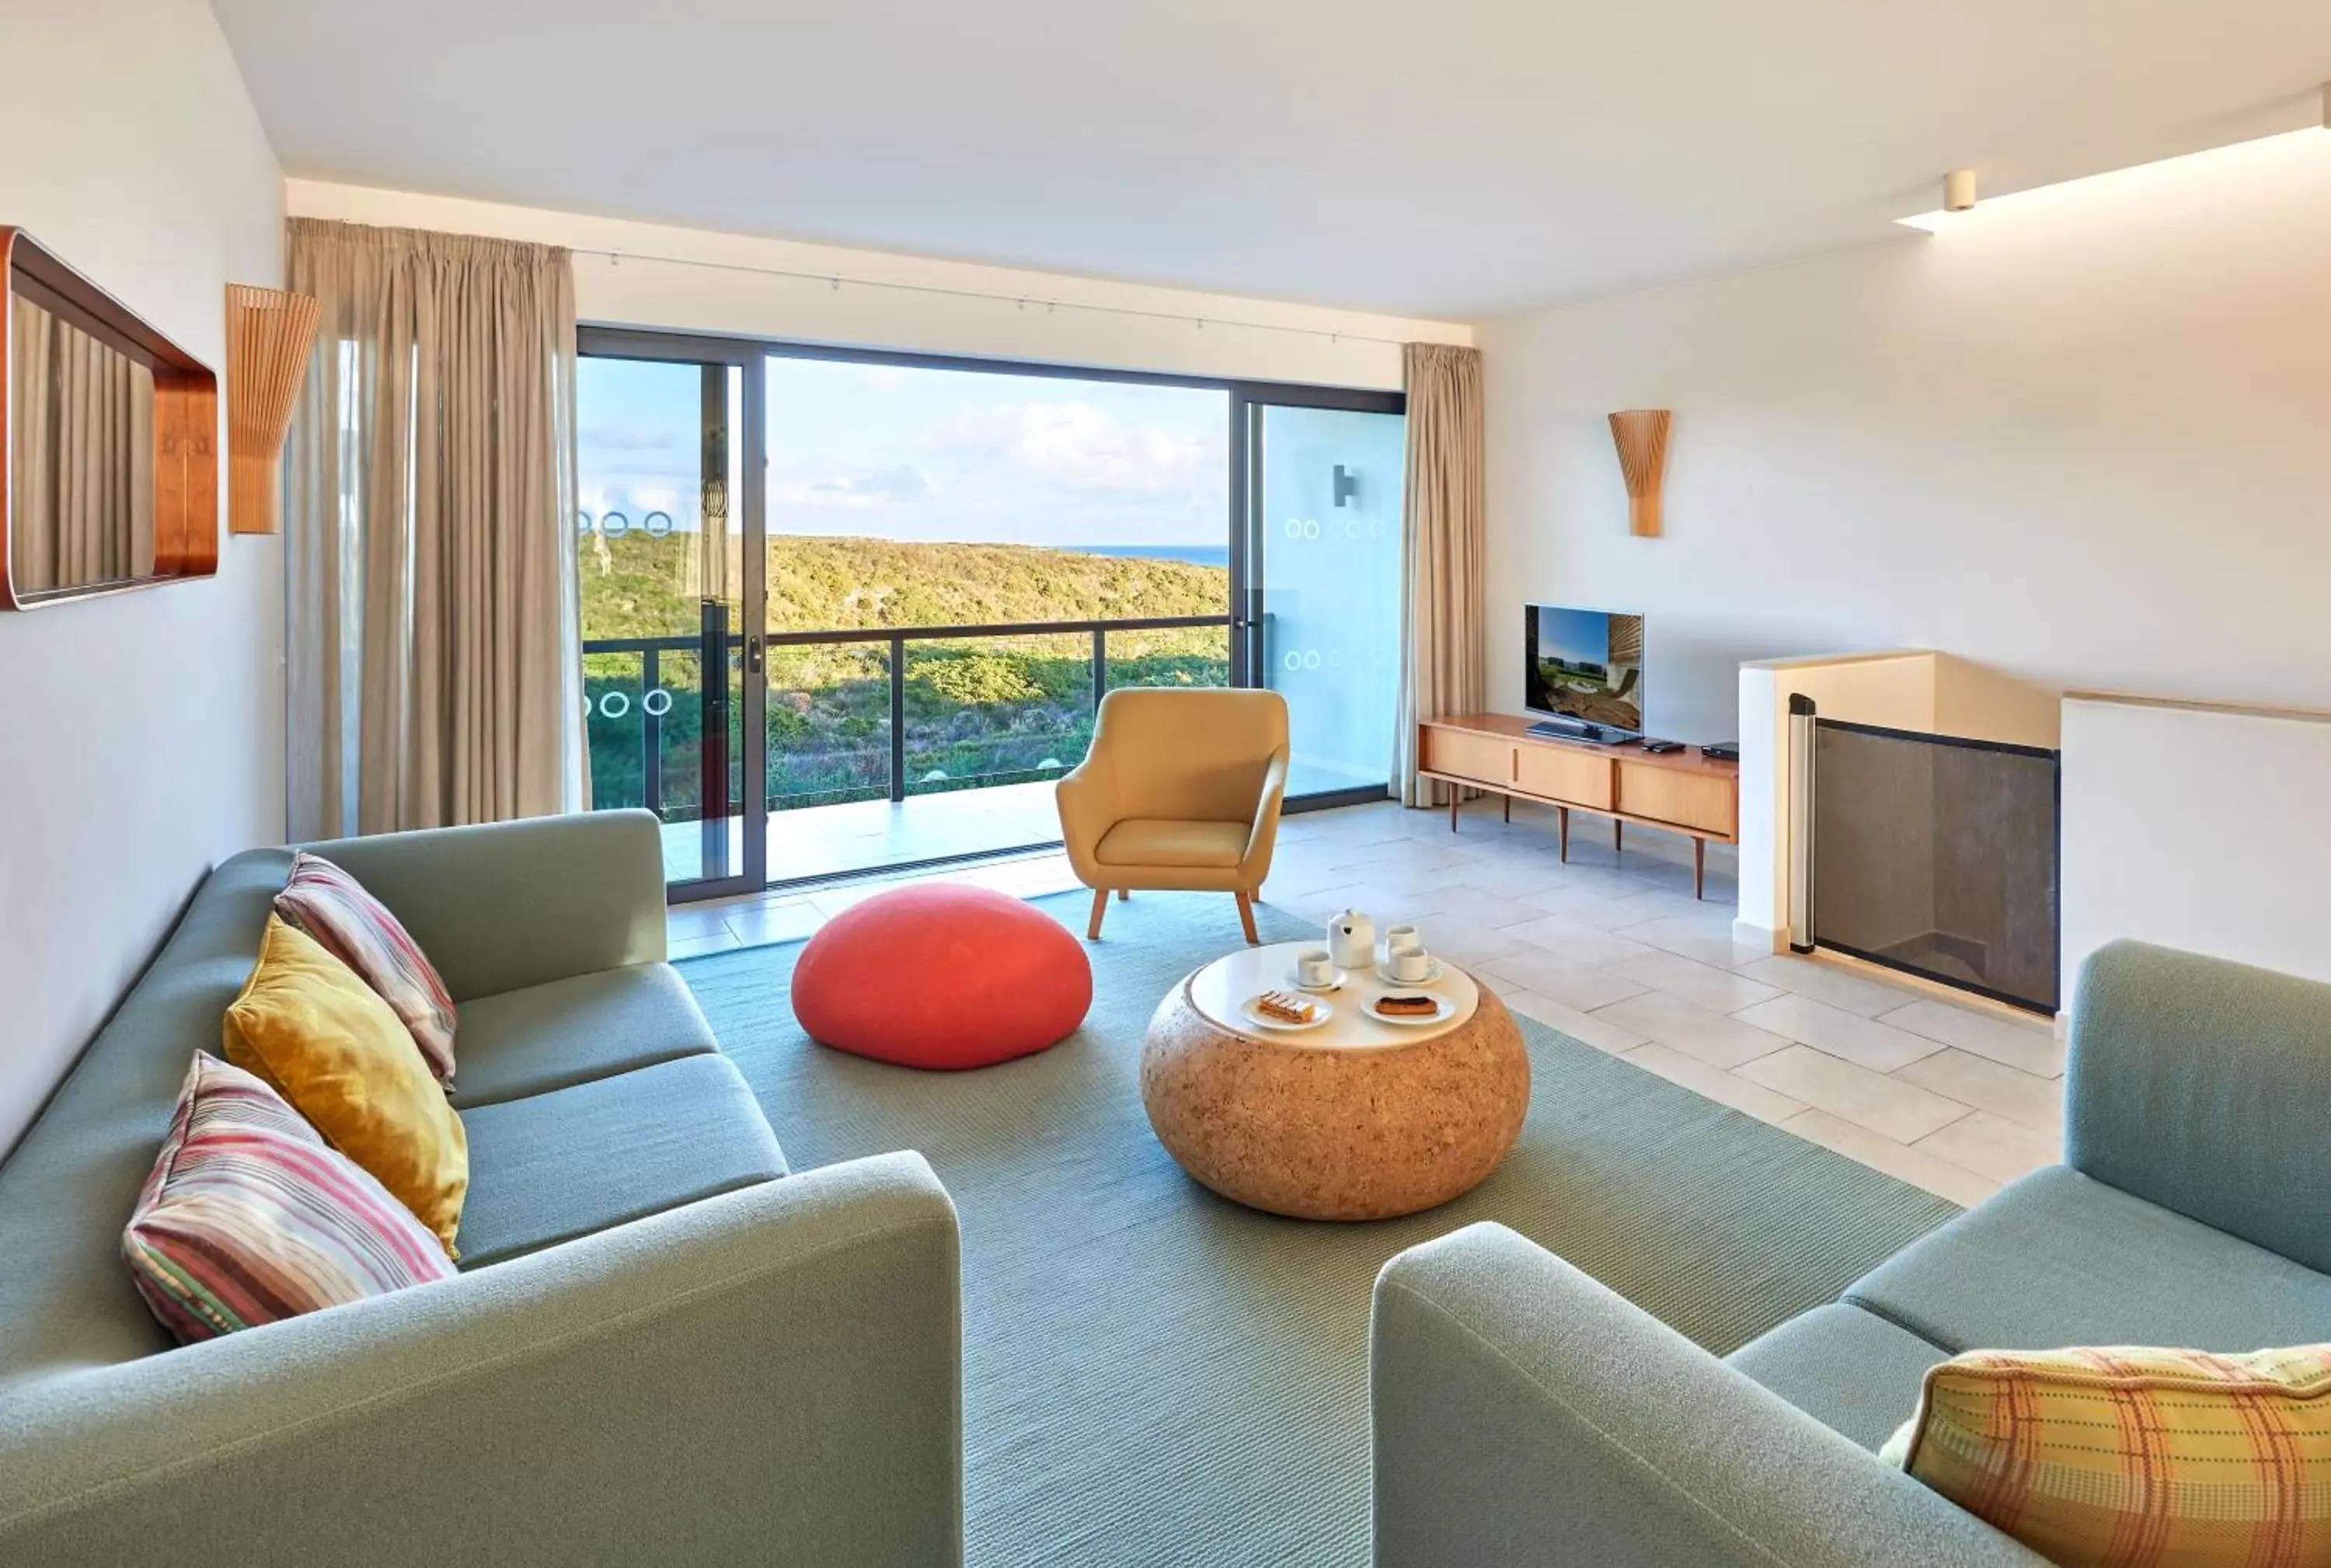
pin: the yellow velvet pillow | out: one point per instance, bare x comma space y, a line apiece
326, 1041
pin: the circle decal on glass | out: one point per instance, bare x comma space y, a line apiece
1295, 528
657, 524
1310, 528
656, 703
1311, 659
582, 522
613, 523
614, 705
1293, 660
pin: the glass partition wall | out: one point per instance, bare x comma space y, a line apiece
1324, 570
912, 616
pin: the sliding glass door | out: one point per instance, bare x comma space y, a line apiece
1322, 564
671, 566
846, 611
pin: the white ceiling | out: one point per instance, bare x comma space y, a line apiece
1448, 157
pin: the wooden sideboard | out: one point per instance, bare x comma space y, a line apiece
1680, 791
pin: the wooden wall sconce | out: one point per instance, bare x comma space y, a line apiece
268, 336
1641, 434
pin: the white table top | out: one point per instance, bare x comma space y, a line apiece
1220, 991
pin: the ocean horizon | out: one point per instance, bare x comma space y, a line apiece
1196, 555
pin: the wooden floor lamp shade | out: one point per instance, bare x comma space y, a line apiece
267, 335
1641, 434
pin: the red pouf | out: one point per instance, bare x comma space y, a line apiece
941, 976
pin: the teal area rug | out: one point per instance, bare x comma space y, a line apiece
1157, 1378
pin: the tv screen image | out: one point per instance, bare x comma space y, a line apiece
1585, 664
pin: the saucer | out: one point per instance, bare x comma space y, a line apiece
1384, 974
1322, 1013
1442, 1011
1296, 981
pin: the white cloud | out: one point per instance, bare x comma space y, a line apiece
1079, 447
897, 483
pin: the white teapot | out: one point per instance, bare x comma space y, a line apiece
1352, 940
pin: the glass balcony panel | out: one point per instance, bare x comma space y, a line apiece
996, 710
828, 725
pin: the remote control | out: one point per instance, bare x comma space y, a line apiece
1656, 746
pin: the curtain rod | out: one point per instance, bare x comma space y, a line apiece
836, 280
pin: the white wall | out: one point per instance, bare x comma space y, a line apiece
2196, 828
143, 733
708, 283
2084, 437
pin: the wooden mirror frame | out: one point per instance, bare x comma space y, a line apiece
185, 422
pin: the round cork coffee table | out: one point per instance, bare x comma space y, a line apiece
1355, 1119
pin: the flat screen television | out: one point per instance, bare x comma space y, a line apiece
1585, 667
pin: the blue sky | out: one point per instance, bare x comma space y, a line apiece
906, 453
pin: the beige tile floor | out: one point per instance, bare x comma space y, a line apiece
1611, 949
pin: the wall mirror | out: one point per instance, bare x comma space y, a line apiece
109, 475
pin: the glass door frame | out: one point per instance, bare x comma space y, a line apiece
1248, 533
750, 512
1246, 401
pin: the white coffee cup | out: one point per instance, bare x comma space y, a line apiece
1402, 939
1409, 964
1314, 966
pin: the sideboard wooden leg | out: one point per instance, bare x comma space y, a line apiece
1617, 827
1510, 806
1455, 794
1562, 829
1699, 868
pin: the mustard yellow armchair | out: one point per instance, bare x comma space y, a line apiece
1181, 791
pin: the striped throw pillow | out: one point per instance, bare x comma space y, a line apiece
250, 1217
356, 928
2118, 1458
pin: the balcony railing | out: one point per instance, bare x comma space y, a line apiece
866, 714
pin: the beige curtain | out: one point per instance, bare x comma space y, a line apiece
82, 476
434, 666
1443, 572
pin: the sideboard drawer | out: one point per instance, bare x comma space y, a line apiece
1579, 778
1464, 754
1690, 800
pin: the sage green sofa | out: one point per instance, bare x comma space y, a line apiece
1525, 1416
661, 1347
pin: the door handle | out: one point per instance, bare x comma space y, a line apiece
752, 655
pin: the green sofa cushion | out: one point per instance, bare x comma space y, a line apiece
2198, 1085
2058, 1258
1856, 1373
554, 1166
568, 1031
68, 1187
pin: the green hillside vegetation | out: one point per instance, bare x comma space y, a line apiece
978, 711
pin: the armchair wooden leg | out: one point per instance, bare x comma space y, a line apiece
1101, 908
1124, 895
1246, 920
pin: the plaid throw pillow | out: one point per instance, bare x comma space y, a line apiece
250, 1217
2118, 1457
358, 929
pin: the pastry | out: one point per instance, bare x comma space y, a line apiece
1407, 1006
1285, 1008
